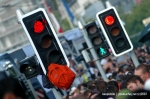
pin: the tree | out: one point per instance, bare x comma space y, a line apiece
134, 20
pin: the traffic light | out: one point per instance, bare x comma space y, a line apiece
43, 39
97, 40
114, 31
29, 67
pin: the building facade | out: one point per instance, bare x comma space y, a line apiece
12, 34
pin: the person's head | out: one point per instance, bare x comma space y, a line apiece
142, 52
134, 82
147, 59
101, 86
91, 83
80, 97
92, 95
123, 85
125, 68
111, 89
80, 87
10, 88
69, 97
142, 71
110, 60
113, 83
87, 93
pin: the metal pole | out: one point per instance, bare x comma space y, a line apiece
93, 52
57, 94
32, 89
134, 58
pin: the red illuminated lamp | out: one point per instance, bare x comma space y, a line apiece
109, 20
39, 26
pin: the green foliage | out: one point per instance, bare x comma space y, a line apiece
134, 19
65, 25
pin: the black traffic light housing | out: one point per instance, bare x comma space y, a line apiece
43, 39
29, 67
97, 40
114, 31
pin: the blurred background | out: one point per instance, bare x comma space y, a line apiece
134, 13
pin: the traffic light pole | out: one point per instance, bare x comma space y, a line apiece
92, 52
134, 58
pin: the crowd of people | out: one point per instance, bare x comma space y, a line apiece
125, 81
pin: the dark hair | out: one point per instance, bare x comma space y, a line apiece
114, 74
142, 50
12, 85
123, 85
134, 78
90, 83
101, 86
87, 92
113, 83
111, 89
109, 60
144, 68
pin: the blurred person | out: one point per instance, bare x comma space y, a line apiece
91, 83
108, 73
93, 95
148, 49
111, 91
123, 85
103, 61
101, 86
10, 88
143, 72
87, 93
109, 65
80, 97
92, 70
147, 59
113, 83
69, 97
122, 60
134, 82
124, 91
74, 92
147, 85
82, 88
127, 70
99, 78
77, 80
141, 57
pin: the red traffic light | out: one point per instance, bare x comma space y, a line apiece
109, 20
39, 26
